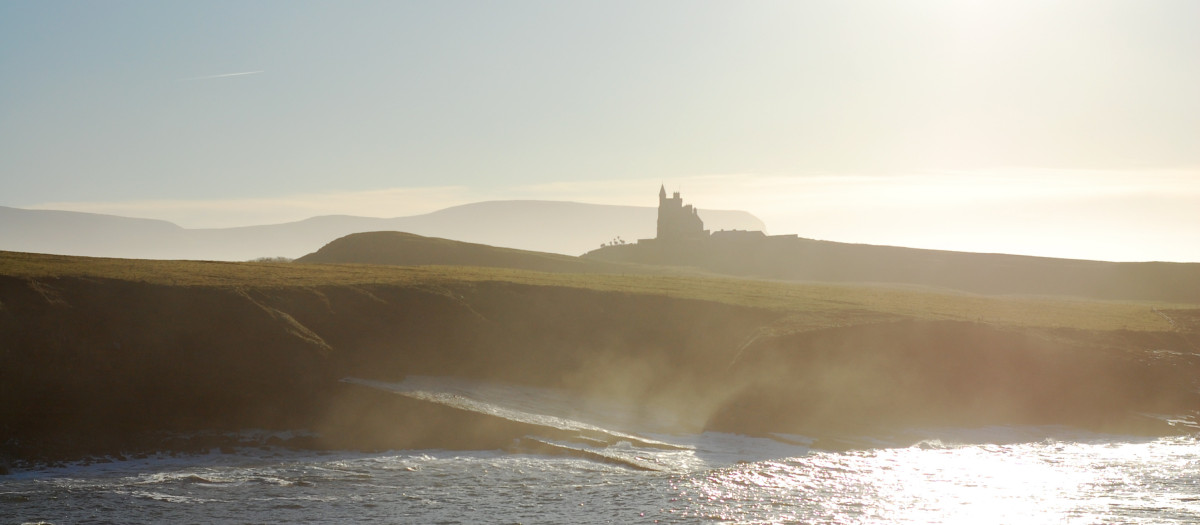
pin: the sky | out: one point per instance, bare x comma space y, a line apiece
1067, 129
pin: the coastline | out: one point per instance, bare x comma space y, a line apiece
103, 354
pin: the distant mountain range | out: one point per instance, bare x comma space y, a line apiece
547, 226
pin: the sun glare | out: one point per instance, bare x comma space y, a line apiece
932, 482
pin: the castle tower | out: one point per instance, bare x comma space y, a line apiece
676, 221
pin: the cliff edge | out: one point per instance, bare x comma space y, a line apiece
111, 355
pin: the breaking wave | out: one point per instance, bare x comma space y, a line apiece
584, 462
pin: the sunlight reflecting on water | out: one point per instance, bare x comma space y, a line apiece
730, 479
1147, 482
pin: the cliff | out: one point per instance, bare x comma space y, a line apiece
109, 355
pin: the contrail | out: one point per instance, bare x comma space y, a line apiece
222, 75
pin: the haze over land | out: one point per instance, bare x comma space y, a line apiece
558, 227
1060, 129
930, 261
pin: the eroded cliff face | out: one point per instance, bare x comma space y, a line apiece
93, 366
93, 362
909, 373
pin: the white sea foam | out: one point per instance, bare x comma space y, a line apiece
935, 475
723, 477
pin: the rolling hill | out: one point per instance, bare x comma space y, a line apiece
799, 259
407, 249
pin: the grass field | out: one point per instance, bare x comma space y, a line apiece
806, 305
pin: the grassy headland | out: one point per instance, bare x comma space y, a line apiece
104, 354
790, 258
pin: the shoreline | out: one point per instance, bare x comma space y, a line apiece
103, 352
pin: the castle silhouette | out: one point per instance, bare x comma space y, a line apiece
680, 223
681, 231
676, 221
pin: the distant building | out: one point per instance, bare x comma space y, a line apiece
680, 227
676, 221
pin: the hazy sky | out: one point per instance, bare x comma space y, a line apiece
1055, 128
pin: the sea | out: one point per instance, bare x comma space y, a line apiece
617, 472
